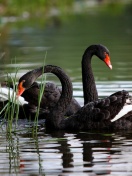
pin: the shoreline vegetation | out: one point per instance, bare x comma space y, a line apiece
14, 10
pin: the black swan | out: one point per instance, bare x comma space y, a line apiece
51, 93
94, 115
89, 86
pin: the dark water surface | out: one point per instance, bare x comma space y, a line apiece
68, 153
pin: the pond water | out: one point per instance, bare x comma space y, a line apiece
62, 152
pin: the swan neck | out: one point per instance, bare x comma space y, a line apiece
89, 86
66, 96
39, 72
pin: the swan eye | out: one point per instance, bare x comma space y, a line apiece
106, 54
22, 83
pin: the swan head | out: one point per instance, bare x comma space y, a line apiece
26, 81
103, 53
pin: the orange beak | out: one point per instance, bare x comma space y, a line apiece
20, 89
107, 61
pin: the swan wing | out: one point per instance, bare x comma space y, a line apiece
126, 109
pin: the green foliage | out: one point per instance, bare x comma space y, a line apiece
17, 7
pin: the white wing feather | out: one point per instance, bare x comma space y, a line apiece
10, 95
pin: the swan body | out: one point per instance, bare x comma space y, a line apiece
50, 97
98, 114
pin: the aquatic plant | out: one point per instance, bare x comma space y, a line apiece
10, 108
